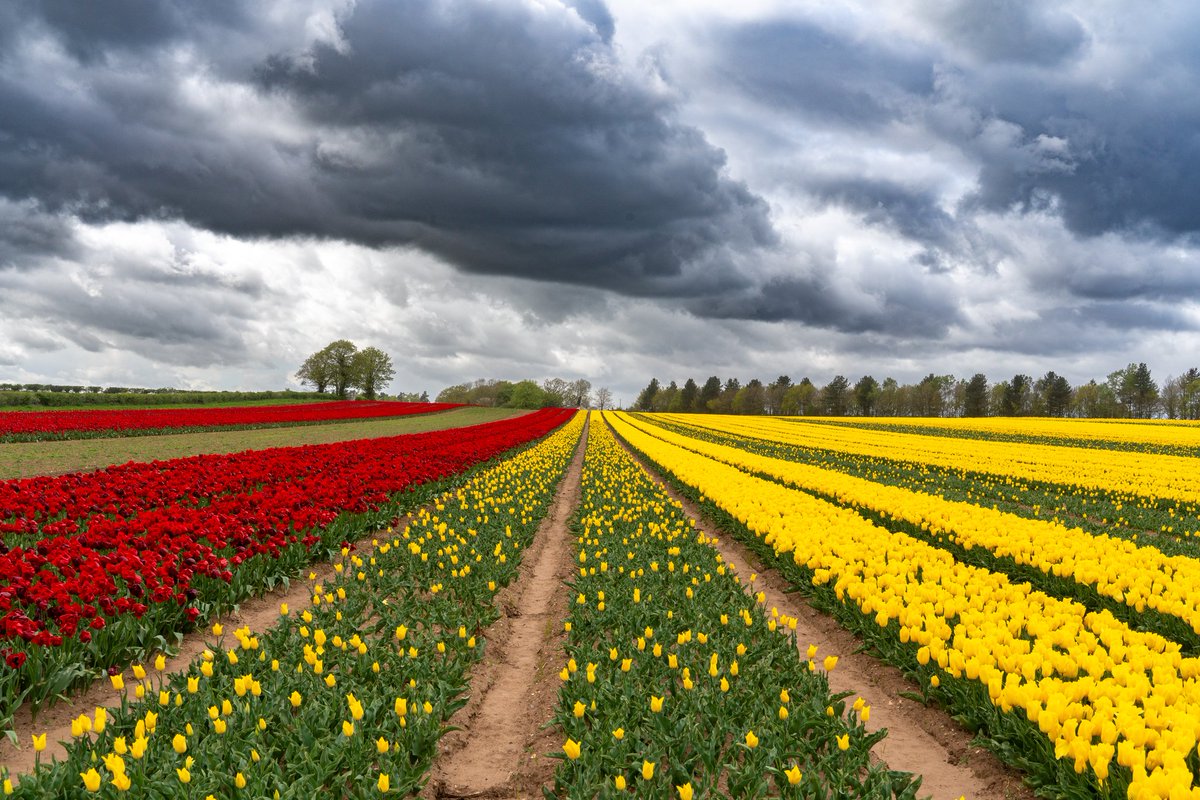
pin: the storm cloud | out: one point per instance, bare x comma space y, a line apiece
502, 137
571, 186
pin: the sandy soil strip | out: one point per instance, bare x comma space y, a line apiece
921, 739
498, 753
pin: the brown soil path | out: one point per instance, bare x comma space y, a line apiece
498, 751
258, 613
921, 739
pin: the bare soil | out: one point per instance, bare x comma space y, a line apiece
921, 739
499, 751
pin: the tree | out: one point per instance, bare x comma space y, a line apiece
866, 392
1095, 400
527, 394
581, 393
332, 365
1015, 399
975, 396
749, 399
372, 371
688, 395
667, 399
708, 394
315, 371
559, 389
800, 399
1182, 395
888, 402
775, 392
834, 396
645, 400
604, 398
1054, 394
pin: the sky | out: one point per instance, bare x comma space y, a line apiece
200, 195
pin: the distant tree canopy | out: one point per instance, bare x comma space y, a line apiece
552, 393
340, 365
1128, 392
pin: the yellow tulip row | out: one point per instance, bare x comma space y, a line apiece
1140, 577
1163, 432
1150, 476
1100, 691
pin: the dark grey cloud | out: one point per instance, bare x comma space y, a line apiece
596, 13
1019, 31
28, 235
91, 31
503, 138
1101, 137
823, 74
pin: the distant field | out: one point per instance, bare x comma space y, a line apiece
279, 401
24, 459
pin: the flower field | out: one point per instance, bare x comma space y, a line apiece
26, 426
348, 697
97, 568
1073, 650
677, 681
1038, 582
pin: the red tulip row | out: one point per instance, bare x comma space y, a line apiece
93, 566
27, 425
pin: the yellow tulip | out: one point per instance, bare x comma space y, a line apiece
572, 748
648, 770
91, 780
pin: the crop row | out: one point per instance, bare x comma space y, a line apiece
347, 698
1087, 705
1168, 524
1146, 475
1170, 437
99, 567
22, 426
1144, 586
678, 683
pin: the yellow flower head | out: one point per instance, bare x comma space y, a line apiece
91, 780
647, 770
572, 748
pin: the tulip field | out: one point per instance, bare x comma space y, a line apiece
1045, 593
32, 426
1038, 580
99, 566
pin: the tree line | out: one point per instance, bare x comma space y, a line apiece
1129, 392
552, 393
53, 395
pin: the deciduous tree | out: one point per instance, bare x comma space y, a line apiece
372, 371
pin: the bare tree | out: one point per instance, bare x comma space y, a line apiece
604, 398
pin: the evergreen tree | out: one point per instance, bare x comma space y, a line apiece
645, 400
975, 396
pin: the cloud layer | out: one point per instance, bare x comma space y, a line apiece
205, 191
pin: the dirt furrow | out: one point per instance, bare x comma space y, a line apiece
921, 739
497, 753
